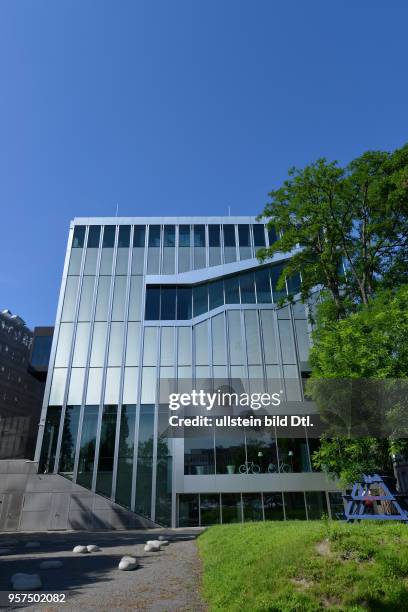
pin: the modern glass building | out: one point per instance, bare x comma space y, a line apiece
148, 299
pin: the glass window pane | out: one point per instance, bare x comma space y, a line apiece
106, 451
276, 271
269, 337
184, 262
139, 235
152, 304
75, 262
243, 235
59, 377
150, 347
184, 303
85, 307
71, 290
106, 262
109, 237
184, 346
168, 303
133, 344
81, 345
119, 299
87, 448
125, 455
272, 235
184, 235
115, 345
263, 287
231, 290
273, 506
64, 345
214, 235
210, 509
259, 235
200, 299
229, 235
135, 298
169, 235
112, 386
144, 461
154, 236
219, 346
169, 262
293, 455
188, 510
49, 443
93, 236
93, 393
286, 341
295, 506
231, 508
199, 235
199, 258
247, 285
201, 343
302, 338
252, 503
98, 345
316, 504
102, 300
137, 260
153, 260
130, 385
215, 256
199, 451
90, 262
78, 237
68, 442
216, 293
76, 386
122, 258
124, 236
167, 346
235, 337
252, 337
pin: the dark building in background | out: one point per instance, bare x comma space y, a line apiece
21, 384
40, 352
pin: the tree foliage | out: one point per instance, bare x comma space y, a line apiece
348, 226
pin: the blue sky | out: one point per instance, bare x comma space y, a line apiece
178, 107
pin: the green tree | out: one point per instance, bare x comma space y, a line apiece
347, 227
368, 344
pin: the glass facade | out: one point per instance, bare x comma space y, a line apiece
121, 331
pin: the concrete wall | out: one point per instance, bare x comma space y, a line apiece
47, 502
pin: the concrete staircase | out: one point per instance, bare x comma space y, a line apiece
49, 502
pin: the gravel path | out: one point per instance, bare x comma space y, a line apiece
168, 580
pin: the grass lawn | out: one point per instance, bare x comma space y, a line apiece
296, 565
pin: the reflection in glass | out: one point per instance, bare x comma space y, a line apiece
199, 451
293, 455
106, 262
188, 513
294, 506
316, 504
184, 303
139, 236
135, 299
154, 236
263, 286
200, 299
71, 290
98, 344
75, 262
106, 451
68, 442
247, 286
216, 294
87, 447
273, 506
145, 461
85, 307
252, 505
168, 303
163, 482
50, 437
259, 235
59, 377
210, 509
93, 236
78, 237
115, 344
119, 299
231, 508
109, 237
76, 386
64, 345
81, 345
230, 450
125, 455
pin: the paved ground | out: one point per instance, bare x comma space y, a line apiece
168, 580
